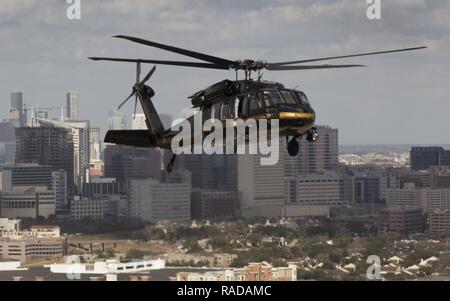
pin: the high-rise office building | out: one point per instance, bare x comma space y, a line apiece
47, 146
313, 157
27, 174
138, 122
59, 181
127, 162
262, 187
7, 143
116, 121
80, 130
95, 144
72, 106
17, 106
211, 171
324, 189
424, 157
169, 200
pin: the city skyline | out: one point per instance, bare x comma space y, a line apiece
393, 86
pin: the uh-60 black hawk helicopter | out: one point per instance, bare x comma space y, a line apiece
228, 99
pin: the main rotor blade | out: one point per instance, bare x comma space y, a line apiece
193, 54
347, 56
121, 105
171, 63
272, 67
147, 77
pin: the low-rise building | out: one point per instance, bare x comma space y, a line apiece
31, 202
224, 260
256, 271
31, 249
402, 220
213, 205
9, 226
86, 208
439, 223
152, 200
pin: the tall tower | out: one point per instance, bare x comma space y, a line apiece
262, 186
17, 105
72, 106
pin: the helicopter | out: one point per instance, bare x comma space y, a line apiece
228, 99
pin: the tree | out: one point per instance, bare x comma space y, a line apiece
134, 254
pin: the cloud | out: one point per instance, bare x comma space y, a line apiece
44, 54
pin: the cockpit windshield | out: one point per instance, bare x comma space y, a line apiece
302, 97
270, 98
288, 97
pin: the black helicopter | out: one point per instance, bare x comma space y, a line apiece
247, 98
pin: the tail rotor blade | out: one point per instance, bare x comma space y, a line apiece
147, 77
121, 105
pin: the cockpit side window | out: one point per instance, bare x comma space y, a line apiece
206, 113
243, 106
270, 98
215, 112
253, 106
288, 97
225, 111
302, 97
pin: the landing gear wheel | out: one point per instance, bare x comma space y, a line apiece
293, 147
312, 135
171, 164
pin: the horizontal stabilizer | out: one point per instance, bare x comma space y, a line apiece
139, 138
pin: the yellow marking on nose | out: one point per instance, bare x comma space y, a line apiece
297, 115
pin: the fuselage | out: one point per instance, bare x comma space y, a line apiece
232, 100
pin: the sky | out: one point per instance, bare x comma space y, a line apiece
399, 99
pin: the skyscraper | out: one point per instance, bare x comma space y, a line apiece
116, 121
72, 106
262, 186
424, 157
138, 122
17, 106
80, 130
126, 162
47, 146
314, 157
